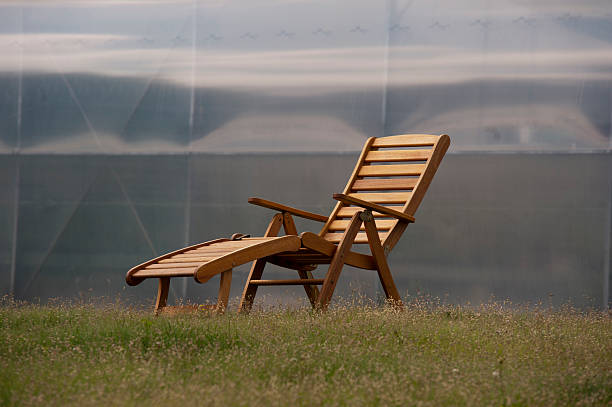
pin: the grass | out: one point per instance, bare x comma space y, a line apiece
429, 354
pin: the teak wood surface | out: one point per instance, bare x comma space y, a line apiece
378, 202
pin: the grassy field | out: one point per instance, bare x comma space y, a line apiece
356, 355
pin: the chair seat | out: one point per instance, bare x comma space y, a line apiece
205, 260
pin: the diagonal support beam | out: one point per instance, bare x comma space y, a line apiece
335, 267
141, 225
59, 235
248, 295
381, 261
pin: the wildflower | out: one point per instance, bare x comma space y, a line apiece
495, 373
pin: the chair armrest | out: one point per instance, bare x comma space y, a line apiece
374, 207
288, 209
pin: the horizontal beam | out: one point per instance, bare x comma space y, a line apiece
305, 281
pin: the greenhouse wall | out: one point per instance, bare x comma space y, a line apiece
129, 128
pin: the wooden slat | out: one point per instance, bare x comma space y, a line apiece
174, 272
347, 188
211, 254
384, 184
348, 211
381, 224
398, 155
309, 281
230, 246
173, 265
391, 170
245, 239
237, 243
215, 252
419, 191
383, 197
217, 248
406, 140
227, 247
186, 260
361, 237
129, 278
352, 200
198, 257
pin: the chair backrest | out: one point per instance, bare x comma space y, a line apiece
393, 171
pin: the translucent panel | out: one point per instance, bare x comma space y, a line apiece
288, 76
131, 128
50, 194
8, 185
96, 75
10, 78
120, 76
78, 235
509, 233
503, 76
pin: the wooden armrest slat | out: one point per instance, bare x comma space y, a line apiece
284, 208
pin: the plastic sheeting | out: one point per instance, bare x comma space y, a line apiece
130, 127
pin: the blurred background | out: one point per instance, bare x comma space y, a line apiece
129, 128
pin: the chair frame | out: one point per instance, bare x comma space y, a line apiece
305, 252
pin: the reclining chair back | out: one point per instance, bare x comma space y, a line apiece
394, 172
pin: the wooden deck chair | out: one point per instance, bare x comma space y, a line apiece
379, 201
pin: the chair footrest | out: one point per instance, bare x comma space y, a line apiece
205, 260
305, 281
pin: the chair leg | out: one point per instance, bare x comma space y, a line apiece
381, 261
224, 290
311, 291
335, 267
162, 294
248, 295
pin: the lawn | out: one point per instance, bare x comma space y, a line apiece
429, 354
